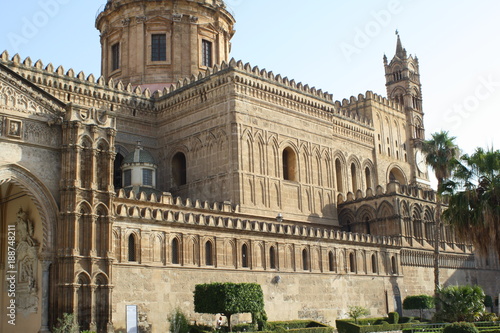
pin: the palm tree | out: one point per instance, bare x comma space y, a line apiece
441, 155
474, 210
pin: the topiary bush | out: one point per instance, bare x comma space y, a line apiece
461, 327
393, 317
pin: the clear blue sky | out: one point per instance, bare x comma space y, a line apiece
335, 45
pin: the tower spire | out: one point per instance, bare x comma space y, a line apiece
400, 51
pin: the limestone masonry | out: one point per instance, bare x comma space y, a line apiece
181, 166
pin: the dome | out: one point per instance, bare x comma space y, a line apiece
139, 155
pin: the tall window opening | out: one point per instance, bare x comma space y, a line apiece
393, 265
272, 258
159, 47
374, 264
147, 177
132, 248
331, 262
352, 263
206, 53
368, 177
244, 256
354, 178
115, 56
117, 174
305, 260
127, 178
175, 251
179, 169
338, 172
209, 254
289, 164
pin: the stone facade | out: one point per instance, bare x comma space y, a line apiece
247, 176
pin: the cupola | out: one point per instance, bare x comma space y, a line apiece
156, 43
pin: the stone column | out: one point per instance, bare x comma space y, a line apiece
45, 295
93, 302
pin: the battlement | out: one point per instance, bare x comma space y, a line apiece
368, 96
392, 189
167, 209
67, 81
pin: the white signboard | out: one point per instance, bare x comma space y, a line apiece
131, 318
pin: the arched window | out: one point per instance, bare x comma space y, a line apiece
209, 253
352, 263
175, 251
393, 265
272, 258
374, 263
331, 263
244, 256
338, 172
367, 225
102, 303
132, 248
305, 260
179, 169
368, 177
396, 175
289, 164
84, 298
354, 178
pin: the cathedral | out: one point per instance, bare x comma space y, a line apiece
180, 166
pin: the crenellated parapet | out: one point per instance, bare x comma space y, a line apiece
167, 210
394, 188
78, 88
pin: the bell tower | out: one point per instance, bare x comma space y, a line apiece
402, 75
156, 43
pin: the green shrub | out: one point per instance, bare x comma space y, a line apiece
459, 303
393, 317
66, 324
404, 320
178, 322
488, 316
461, 327
198, 328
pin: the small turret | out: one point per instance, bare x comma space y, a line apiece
139, 171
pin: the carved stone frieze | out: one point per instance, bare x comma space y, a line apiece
40, 133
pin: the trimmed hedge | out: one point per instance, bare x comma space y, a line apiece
369, 325
460, 328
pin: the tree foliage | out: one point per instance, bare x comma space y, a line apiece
228, 299
356, 312
474, 203
441, 155
460, 303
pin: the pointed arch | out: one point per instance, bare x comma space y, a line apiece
83, 300
229, 254
103, 164
175, 251
289, 164
42, 199
396, 174
209, 253
339, 174
102, 230
86, 158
